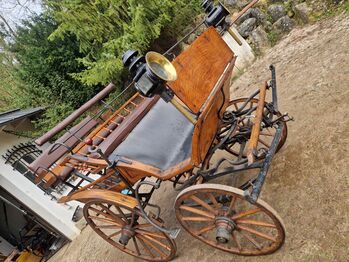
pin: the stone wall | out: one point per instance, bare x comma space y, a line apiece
263, 25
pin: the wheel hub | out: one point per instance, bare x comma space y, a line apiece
126, 234
224, 228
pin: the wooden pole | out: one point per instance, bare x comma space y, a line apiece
253, 142
73, 116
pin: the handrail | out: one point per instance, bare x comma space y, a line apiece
73, 116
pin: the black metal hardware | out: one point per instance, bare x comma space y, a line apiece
273, 87
258, 184
173, 233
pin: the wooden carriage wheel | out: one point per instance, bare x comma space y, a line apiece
238, 150
126, 229
219, 216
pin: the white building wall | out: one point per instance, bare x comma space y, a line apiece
57, 215
244, 53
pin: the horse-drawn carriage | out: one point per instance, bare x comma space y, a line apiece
183, 128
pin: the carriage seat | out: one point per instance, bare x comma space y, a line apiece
162, 139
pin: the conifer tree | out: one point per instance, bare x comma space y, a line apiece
106, 28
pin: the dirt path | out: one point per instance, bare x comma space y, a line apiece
309, 179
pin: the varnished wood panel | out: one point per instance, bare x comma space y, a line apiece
206, 128
208, 121
94, 194
199, 68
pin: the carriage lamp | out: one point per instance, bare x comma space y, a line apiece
216, 15
150, 74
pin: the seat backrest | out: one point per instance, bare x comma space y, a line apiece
199, 68
204, 71
119, 133
56, 151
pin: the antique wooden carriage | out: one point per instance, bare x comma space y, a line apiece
116, 159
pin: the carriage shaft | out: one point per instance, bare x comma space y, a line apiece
252, 144
258, 183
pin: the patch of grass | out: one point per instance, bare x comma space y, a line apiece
332, 11
273, 37
345, 7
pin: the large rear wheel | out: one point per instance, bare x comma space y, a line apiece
219, 216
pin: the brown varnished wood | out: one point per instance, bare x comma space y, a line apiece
226, 79
107, 195
82, 148
199, 68
89, 164
49, 179
79, 160
257, 120
96, 185
206, 127
134, 171
60, 170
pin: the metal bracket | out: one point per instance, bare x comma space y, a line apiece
258, 183
173, 233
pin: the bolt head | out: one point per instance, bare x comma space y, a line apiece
88, 141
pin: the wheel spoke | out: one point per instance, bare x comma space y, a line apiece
197, 219
157, 235
146, 248
122, 214
205, 229
236, 241
108, 226
197, 211
250, 239
204, 204
104, 220
213, 200
116, 217
236, 107
257, 233
255, 222
263, 142
136, 245
147, 242
99, 212
246, 213
156, 242
114, 234
232, 204
143, 225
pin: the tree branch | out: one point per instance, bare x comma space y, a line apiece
8, 26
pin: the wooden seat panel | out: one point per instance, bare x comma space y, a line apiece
199, 68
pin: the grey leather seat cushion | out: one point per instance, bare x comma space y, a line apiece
163, 138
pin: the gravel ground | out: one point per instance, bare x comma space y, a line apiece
309, 180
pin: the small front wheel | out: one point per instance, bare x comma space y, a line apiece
221, 217
126, 229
